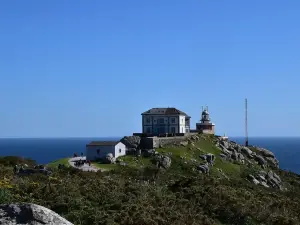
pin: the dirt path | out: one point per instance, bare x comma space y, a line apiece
84, 167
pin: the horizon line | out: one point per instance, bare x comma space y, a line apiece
76, 137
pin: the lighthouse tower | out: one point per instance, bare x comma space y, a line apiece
205, 126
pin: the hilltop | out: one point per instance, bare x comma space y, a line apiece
202, 180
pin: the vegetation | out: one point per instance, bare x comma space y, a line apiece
140, 193
64, 161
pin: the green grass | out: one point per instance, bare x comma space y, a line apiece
134, 162
105, 166
64, 161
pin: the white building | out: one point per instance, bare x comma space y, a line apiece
99, 149
165, 120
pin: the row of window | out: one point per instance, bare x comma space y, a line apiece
162, 120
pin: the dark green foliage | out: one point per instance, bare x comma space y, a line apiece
152, 196
14, 160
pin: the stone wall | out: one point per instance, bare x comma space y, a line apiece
155, 142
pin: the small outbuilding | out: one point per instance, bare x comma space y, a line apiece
99, 149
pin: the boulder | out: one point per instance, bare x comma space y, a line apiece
265, 152
163, 161
273, 162
260, 160
184, 143
273, 179
204, 168
202, 157
29, 214
225, 144
210, 158
246, 152
131, 141
149, 152
110, 158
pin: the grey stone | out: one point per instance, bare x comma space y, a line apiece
184, 143
29, 214
202, 157
265, 152
131, 141
163, 161
110, 158
260, 160
272, 162
247, 152
203, 168
210, 158
264, 184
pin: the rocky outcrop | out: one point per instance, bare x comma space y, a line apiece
266, 179
234, 152
204, 168
29, 214
149, 152
131, 142
163, 161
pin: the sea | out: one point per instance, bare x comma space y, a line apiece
45, 150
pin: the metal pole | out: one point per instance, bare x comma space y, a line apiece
246, 122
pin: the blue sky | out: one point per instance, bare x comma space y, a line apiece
90, 68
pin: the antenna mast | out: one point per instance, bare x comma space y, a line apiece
246, 122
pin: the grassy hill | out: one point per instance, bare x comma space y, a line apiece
141, 193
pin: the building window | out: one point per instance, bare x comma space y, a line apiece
120, 150
161, 120
173, 120
173, 130
147, 119
148, 130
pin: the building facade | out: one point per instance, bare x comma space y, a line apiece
99, 149
165, 120
205, 126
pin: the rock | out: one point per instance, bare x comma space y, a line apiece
247, 152
261, 178
260, 160
184, 143
265, 152
203, 168
226, 152
163, 161
223, 156
131, 141
253, 179
210, 158
202, 157
264, 184
138, 152
110, 158
29, 214
273, 162
273, 180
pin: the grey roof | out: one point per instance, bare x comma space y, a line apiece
102, 143
164, 111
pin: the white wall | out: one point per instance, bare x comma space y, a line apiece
91, 152
120, 150
182, 124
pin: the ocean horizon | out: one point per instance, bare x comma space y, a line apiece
48, 149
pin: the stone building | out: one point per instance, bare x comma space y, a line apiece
165, 120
